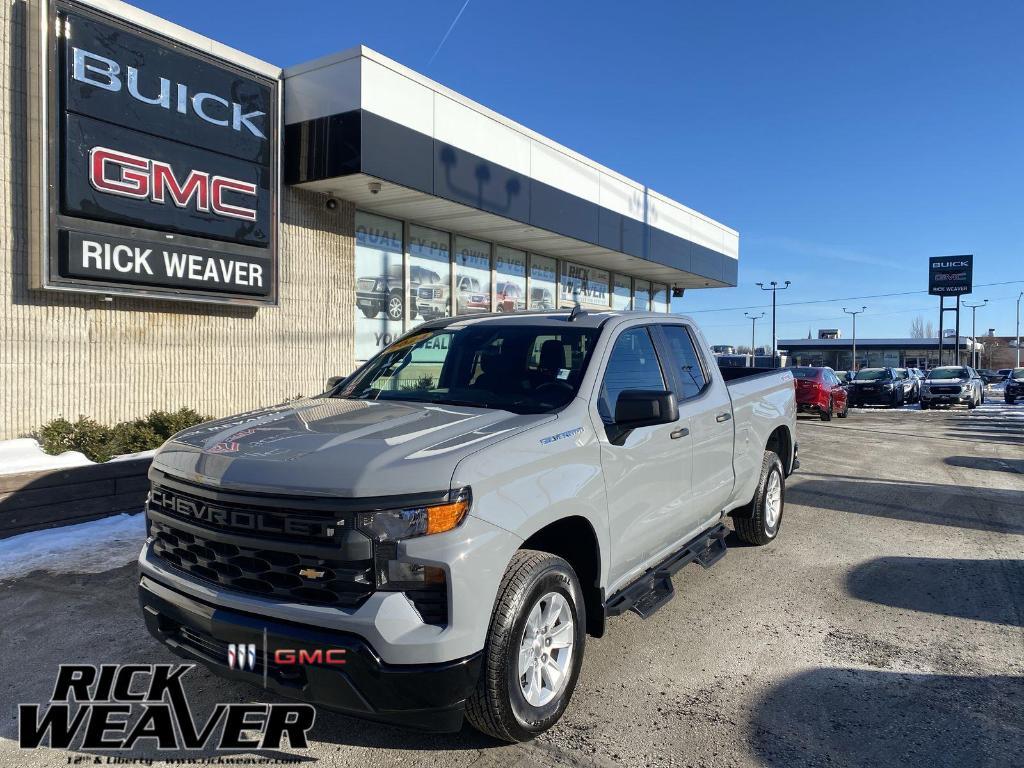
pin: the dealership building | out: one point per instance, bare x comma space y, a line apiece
875, 353
186, 225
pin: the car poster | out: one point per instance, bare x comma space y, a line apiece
380, 290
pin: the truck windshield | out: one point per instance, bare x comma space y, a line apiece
872, 374
517, 368
948, 372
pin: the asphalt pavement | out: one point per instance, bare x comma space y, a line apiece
884, 627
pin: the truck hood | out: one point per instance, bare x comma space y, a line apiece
335, 447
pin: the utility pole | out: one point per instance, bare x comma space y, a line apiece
974, 332
854, 312
774, 287
1018, 328
753, 333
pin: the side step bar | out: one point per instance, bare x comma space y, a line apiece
654, 589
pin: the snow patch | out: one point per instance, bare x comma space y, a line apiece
24, 454
92, 547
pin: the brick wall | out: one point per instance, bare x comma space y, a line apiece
67, 354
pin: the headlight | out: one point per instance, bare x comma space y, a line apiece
965, 387
397, 524
887, 385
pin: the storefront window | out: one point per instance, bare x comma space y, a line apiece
543, 282
380, 291
659, 297
622, 293
641, 295
472, 276
585, 285
510, 269
429, 271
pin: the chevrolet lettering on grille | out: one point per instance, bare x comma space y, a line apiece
242, 519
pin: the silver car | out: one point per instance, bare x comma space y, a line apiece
952, 385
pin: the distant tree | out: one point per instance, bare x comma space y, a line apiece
919, 329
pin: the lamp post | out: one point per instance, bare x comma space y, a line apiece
774, 288
974, 332
753, 333
1018, 328
854, 312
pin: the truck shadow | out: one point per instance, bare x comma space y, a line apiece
983, 509
871, 718
52, 619
982, 590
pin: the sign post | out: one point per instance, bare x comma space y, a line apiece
950, 276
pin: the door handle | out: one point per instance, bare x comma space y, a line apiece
723, 417
681, 432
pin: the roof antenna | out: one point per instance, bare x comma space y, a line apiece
576, 312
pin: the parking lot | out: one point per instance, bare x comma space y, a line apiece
884, 627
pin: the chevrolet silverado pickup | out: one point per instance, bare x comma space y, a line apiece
452, 520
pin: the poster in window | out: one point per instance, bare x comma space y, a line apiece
641, 295
659, 297
510, 271
622, 293
472, 276
380, 291
429, 271
586, 285
543, 282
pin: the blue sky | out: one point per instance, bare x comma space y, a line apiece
846, 141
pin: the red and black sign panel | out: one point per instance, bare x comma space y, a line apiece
165, 162
950, 275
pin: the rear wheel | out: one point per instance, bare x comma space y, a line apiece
534, 649
759, 521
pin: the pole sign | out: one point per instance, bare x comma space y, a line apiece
950, 275
161, 165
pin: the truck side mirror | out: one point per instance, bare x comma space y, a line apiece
644, 408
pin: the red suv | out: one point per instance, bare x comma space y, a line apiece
819, 390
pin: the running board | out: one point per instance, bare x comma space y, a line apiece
654, 589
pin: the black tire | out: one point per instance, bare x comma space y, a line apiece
1009, 400
826, 415
846, 410
498, 707
368, 312
923, 405
750, 521
972, 404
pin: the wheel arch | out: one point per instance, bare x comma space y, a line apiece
575, 540
780, 442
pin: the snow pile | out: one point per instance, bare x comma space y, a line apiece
92, 547
25, 455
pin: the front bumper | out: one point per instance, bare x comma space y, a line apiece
957, 399
873, 396
419, 696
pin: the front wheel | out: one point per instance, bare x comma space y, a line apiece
534, 649
759, 521
923, 405
1008, 400
846, 410
826, 413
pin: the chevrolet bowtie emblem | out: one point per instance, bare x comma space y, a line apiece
311, 573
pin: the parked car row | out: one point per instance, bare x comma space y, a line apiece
830, 393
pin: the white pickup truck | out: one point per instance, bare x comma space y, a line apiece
461, 512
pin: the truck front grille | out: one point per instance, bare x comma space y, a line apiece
261, 570
954, 390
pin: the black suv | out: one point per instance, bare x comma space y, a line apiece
1014, 386
384, 293
878, 386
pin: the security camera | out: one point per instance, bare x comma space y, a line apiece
332, 204
374, 187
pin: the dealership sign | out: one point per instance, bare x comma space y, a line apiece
159, 161
950, 275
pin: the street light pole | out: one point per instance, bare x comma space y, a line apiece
753, 333
854, 312
974, 331
1018, 328
773, 287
